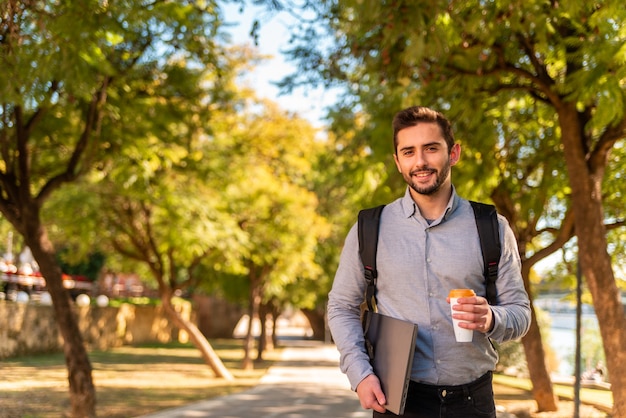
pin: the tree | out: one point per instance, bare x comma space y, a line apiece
566, 61
61, 62
159, 205
529, 167
347, 178
269, 193
160, 217
171, 231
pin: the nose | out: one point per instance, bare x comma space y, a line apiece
419, 159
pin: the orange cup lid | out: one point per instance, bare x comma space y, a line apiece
461, 293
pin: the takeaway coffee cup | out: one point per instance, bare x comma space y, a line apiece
462, 335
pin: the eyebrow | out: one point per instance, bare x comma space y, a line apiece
428, 144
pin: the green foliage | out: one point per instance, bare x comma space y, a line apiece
59, 55
535, 91
270, 175
193, 184
167, 80
90, 268
206, 206
496, 69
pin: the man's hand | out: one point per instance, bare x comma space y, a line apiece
371, 395
474, 312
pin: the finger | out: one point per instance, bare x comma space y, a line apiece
375, 404
379, 408
379, 405
380, 398
370, 394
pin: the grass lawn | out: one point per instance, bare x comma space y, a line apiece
514, 394
130, 381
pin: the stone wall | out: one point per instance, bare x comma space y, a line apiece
29, 328
215, 317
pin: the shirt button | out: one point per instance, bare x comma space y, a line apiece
438, 361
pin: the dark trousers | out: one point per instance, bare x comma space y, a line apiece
473, 400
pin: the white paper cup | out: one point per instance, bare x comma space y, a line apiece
462, 335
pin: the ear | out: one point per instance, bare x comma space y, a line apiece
455, 154
395, 158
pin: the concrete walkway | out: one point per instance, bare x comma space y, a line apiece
306, 383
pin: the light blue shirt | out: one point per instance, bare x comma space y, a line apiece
418, 264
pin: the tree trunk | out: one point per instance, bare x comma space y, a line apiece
253, 312
198, 339
266, 340
596, 267
543, 392
586, 182
82, 390
317, 322
275, 312
262, 343
274, 330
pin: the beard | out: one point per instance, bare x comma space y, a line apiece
431, 189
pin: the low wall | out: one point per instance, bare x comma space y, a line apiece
215, 317
29, 328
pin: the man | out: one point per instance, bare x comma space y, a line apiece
428, 245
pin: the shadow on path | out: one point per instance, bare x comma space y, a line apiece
306, 383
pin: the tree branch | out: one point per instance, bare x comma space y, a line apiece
565, 233
600, 153
72, 170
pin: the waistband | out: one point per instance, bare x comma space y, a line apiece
450, 392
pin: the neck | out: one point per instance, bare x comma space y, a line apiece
432, 206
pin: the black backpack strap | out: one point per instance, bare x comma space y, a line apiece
369, 220
489, 233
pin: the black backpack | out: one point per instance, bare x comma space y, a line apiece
488, 231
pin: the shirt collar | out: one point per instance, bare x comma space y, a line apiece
409, 207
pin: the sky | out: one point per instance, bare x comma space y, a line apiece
273, 38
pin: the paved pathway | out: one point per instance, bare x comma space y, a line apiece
305, 383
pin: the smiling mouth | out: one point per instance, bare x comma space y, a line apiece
422, 174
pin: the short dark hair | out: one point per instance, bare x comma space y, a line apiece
420, 114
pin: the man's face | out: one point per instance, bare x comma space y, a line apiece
423, 159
